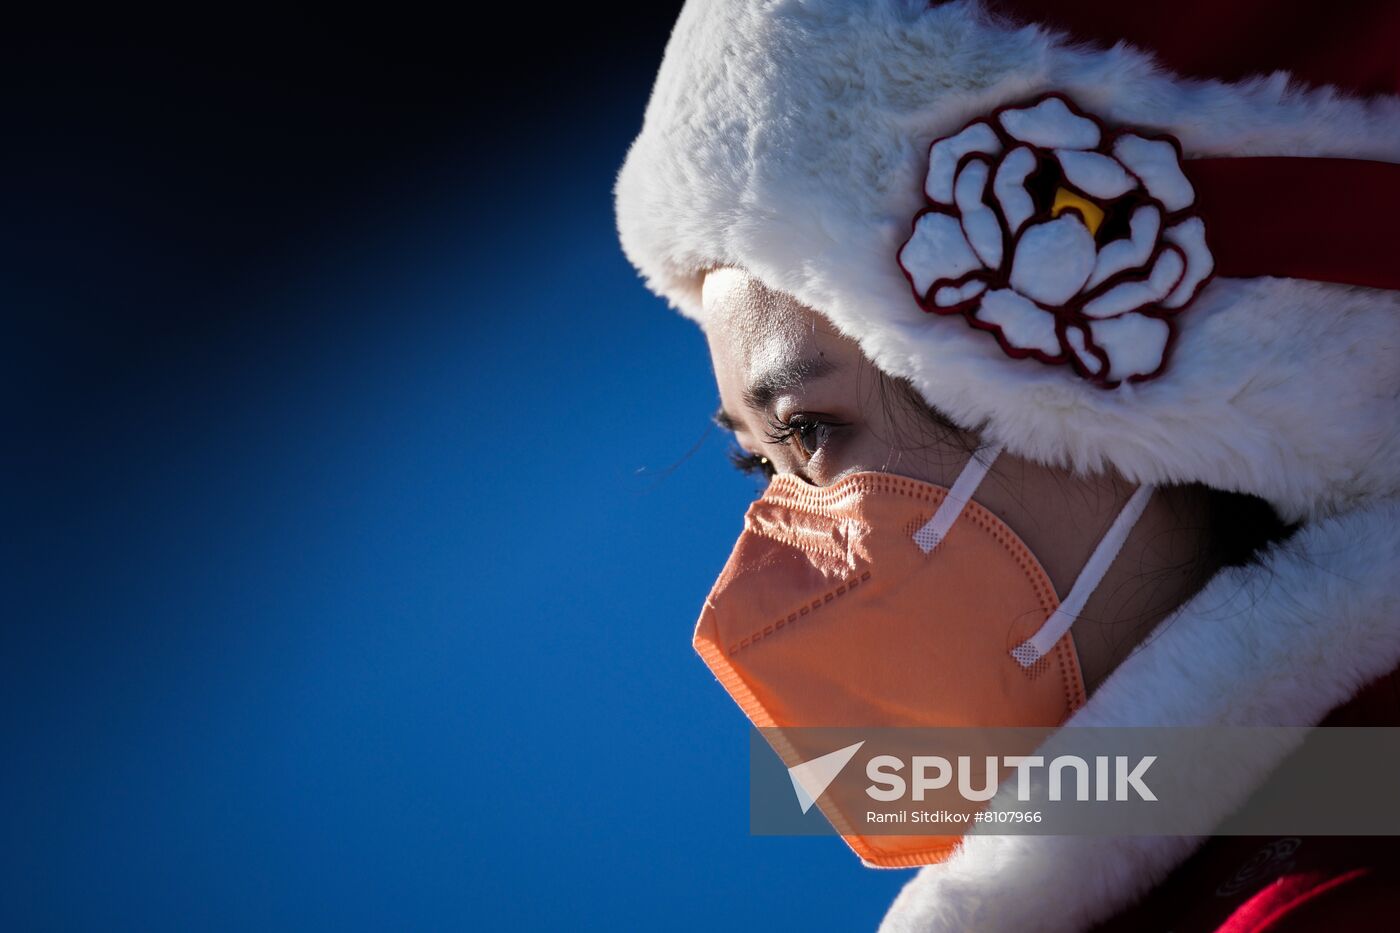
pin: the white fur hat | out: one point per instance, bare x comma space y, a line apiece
793, 139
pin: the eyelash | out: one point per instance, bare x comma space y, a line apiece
752, 464
779, 432
800, 426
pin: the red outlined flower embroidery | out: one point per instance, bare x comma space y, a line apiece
1068, 242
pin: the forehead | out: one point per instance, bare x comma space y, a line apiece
751, 328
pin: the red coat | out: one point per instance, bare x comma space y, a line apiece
1309, 884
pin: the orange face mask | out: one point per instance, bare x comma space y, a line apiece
885, 601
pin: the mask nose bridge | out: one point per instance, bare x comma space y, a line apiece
825, 536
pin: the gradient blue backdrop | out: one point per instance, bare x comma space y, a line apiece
356, 535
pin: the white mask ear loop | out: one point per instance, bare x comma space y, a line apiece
959, 494
1039, 644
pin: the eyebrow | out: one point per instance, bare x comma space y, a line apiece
766, 387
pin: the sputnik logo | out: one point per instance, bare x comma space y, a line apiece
811, 778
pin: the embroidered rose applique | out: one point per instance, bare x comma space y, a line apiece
1069, 243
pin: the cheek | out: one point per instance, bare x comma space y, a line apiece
870, 448
852, 449
922, 450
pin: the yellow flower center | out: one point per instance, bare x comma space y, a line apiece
1089, 212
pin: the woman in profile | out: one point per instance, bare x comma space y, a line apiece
1075, 325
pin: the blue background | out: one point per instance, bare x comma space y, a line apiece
361, 501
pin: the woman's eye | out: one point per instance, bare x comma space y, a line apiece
813, 436
806, 433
